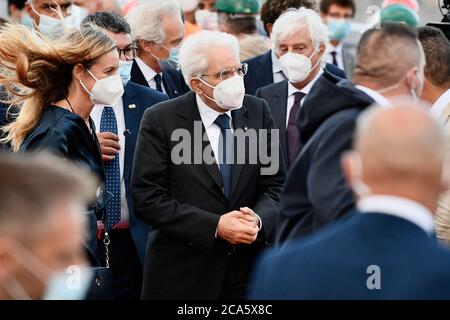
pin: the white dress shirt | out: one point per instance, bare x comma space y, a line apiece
96, 115
213, 131
278, 74
378, 98
440, 104
293, 90
339, 55
149, 74
208, 116
399, 207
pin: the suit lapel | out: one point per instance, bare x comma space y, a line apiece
240, 121
190, 115
137, 76
279, 110
132, 120
266, 70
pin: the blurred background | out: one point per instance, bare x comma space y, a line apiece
429, 10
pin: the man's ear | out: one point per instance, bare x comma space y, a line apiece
347, 166
412, 78
195, 85
322, 49
146, 45
269, 27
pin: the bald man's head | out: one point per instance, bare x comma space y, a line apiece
399, 151
386, 55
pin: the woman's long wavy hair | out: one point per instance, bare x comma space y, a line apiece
37, 72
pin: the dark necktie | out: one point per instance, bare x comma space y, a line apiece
292, 134
158, 81
334, 55
108, 123
223, 121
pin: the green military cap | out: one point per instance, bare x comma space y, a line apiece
238, 6
399, 13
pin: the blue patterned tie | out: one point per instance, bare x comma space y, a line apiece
108, 123
223, 121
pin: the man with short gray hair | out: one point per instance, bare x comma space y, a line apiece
386, 249
209, 196
300, 42
157, 29
316, 193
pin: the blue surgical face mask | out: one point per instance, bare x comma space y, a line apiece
70, 284
26, 20
339, 29
52, 27
174, 57
65, 285
125, 71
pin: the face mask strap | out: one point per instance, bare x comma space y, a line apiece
15, 289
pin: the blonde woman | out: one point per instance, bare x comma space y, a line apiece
56, 85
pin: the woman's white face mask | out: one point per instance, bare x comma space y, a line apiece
106, 91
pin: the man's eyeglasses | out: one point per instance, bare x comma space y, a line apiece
228, 73
130, 53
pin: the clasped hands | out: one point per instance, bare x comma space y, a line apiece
239, 227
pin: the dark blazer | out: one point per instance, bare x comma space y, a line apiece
3, 121
172, 80
316, 192
335, 263
260, 73
65, 134
183, 204
136, 100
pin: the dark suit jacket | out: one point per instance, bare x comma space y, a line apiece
334, 263
183, 204
65, 134
276, 96
3, 122
172, 80
136, 100
260, 73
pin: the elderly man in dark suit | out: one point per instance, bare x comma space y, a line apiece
299, 36
211, 214
386, 249
158, 30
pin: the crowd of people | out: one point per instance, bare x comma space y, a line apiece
222, 150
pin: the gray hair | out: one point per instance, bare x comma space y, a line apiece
294, 19
145, 19
194, 53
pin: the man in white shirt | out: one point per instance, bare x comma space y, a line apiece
316, 193
293, 42
210, 218
337, 14
158, 31
436, 91
385, 249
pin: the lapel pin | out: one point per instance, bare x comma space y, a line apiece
132, 106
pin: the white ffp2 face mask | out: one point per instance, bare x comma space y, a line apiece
228, 94
297, 67
106, 91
